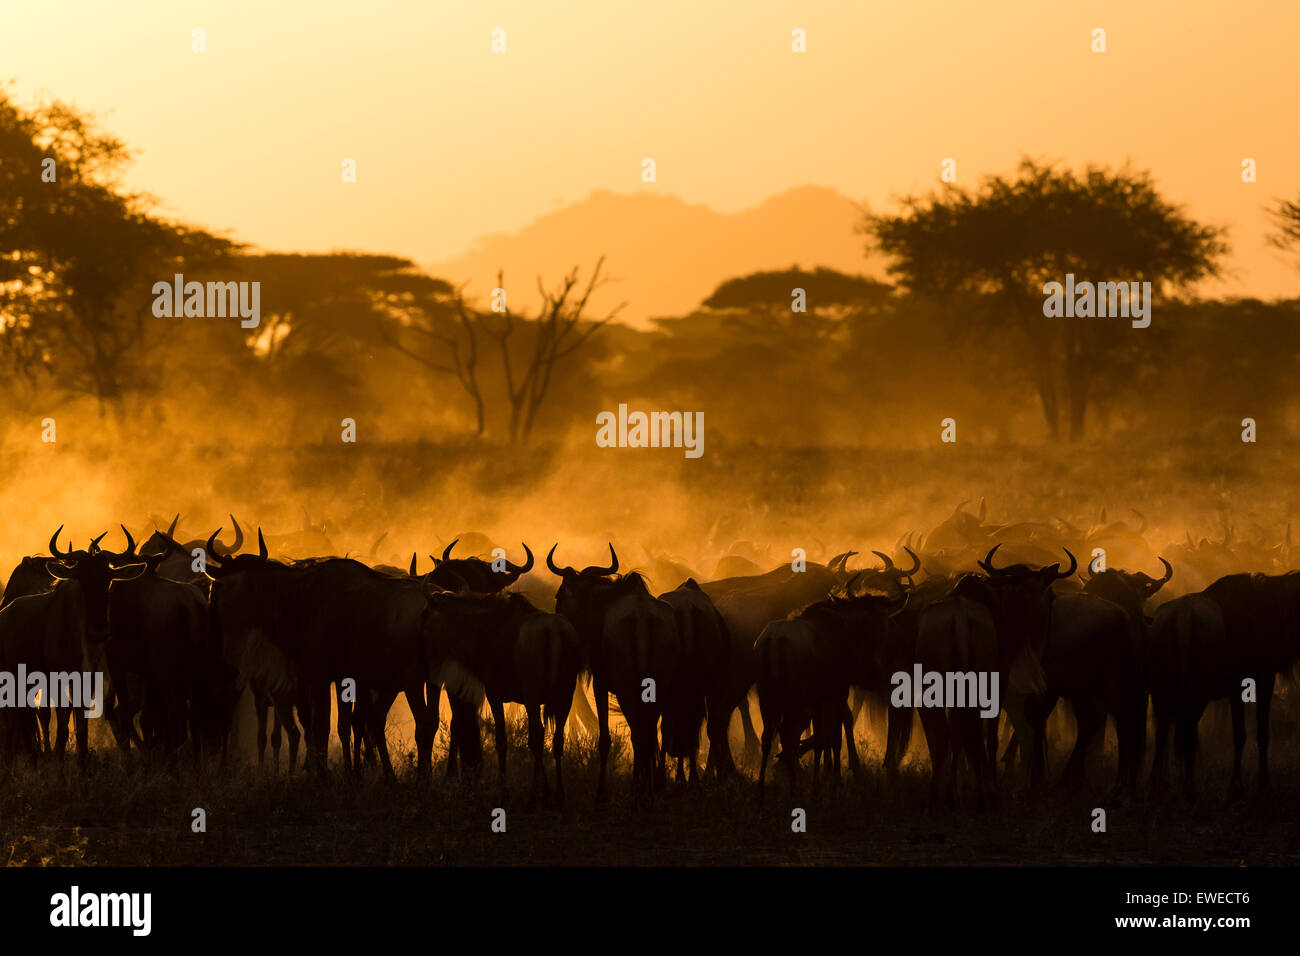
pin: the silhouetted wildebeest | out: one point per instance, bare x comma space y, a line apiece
501, 647
30, 576
477, 575
62, 631
705, 645
161, 660
306, 626
1094, 659
1205, 646
994, 624
748, 604
178, 559
805, 666
1189, 662
630, 647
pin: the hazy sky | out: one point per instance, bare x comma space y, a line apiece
453, 141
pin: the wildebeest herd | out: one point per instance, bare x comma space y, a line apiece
181, 629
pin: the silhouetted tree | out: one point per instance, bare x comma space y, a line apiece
827, 292
1011, 236
1287, 214
80, 253
559, 331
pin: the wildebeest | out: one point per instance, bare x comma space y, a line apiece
501, 647
701, 692
162, 663
805, 666
990, 625
630, 647
1206, 646
62, 631
477, 575
305, 626
748, 604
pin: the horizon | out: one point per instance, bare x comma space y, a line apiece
733, 118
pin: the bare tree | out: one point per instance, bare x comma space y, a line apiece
557, 332
451, 346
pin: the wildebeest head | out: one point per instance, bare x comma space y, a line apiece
1020, 598
1129, 589
94, 573
889, 579
164, 542
581, 593
478, 575
217, 566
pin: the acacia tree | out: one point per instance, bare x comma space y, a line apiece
1287, 214
80, 254
1010, 236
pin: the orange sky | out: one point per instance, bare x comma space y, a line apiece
453, 141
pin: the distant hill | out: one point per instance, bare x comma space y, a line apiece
666, 255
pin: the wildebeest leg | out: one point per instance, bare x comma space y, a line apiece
43, 718
719, 760
898, 731
850, 718
1238, 708
1186, 738
935, 724
1160, 762
318, 728
284, 717
1090, 716
560, 715
751, 735
61, 715
426, 728
769, 731
344, 721
260, 704
602, 718
1264, 685
977, 753
537, 745
276, 727
1009, 755
499, 725
82, 725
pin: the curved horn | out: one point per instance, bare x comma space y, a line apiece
446, 552
889, 563
521, 568
261, 544
210, 549
171, 531
54, 545
239, 537
987, 563
130, 542
1074, 566
550, 563
94, 543
411, 572
916, 563
1169, 572
613, 561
